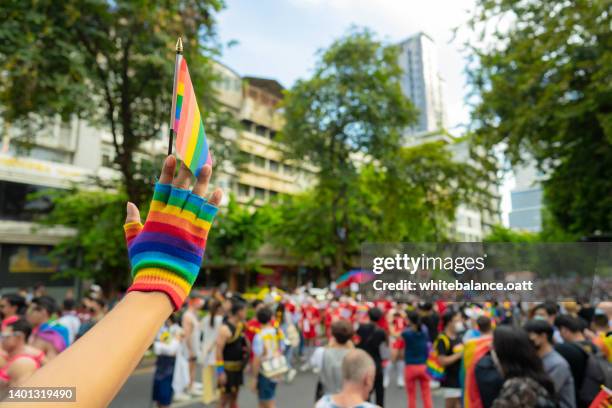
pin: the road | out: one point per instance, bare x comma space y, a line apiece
136, 393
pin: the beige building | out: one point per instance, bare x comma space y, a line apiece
264, 174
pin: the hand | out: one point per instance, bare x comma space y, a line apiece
222, 379
166, 253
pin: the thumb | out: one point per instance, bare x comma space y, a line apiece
133, 215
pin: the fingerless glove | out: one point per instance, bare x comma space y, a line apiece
166, 253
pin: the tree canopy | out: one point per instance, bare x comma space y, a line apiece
350, 112
110, 63
412, 199
544, 94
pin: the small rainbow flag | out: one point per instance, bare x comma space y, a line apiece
191, 144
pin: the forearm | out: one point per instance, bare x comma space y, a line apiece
255, 366
448, 360
100, 362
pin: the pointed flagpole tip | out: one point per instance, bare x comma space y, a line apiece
179, 45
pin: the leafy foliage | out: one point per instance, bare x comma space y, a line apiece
412, 199
350, 112
97, 250
499, 233
544, 92
238, 233
110, 62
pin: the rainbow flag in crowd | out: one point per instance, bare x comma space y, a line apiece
191, 144
473, 351
603, 399
54, 333
433, 367
356, 276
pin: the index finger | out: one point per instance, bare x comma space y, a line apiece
168, 168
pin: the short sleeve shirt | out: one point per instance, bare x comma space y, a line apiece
451, 379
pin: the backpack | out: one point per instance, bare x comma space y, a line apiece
274, 364
598, 372
523, 391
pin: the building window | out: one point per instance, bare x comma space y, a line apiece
247, 125
274, 165
260, 193
260, 130
244, 190
287, 170
260, 162
17, 204
106, 160
272, 135
273, 194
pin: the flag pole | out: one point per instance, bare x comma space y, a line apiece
177, 64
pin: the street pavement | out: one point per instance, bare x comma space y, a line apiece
136, 393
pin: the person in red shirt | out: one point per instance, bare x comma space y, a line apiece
253, 326
331, 314
19, 364
397, 323
311, 317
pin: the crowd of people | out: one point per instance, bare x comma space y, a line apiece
475, 355
471, 354
35, 329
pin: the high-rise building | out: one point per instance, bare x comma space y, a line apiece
526, 199
422, 83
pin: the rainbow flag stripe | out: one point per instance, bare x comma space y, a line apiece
434, 369
191, 143
473, 351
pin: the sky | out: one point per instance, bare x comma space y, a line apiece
279, 39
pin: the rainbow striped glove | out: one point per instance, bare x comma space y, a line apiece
166, 253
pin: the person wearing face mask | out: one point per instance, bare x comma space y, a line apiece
548, 311
541, 333
525, 383
450, 350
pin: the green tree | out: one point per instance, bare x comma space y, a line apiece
349, 112
544, 92
239, 232
111, 63
499, 233
413, 198
97, 249
417, 194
